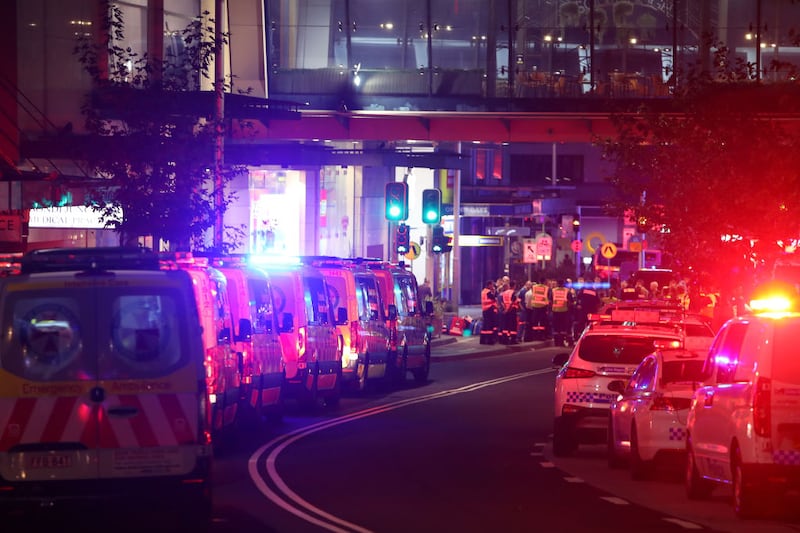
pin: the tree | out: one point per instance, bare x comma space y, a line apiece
152, 137
718, 172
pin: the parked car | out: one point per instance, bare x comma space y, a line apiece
743, 428
589, 377
648, 419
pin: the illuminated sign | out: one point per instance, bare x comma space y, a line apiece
76, 216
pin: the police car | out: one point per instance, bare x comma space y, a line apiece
648, 419
743, 428
589, 377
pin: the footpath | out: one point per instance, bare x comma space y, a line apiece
445, 347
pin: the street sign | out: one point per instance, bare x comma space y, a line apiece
528, 250
413, 251
608, 250
544, 246
589, 240
576, 245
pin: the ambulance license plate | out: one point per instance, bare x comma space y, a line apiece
49, 461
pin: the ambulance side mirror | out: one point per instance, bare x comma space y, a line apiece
392, 312
428, 307
224, 335
341, 316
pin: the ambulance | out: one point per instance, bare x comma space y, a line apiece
312, 347
361, 321
223, 369
256, 337
102, 385
410, 324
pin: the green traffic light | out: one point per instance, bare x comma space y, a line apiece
431, 206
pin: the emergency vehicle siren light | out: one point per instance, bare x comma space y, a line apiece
100, 258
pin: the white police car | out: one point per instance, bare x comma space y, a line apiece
743, 429
608, 351
648, 419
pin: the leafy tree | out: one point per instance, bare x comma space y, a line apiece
715, 174
153, 137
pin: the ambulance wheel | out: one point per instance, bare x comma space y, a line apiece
334, 396
310, 396
362, 374
421, 374
400, 368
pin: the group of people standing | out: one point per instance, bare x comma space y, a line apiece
535, 311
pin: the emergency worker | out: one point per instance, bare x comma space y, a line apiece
508, 320
537, 301
561, 308
489, 309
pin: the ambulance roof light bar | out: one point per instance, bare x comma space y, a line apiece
100, 258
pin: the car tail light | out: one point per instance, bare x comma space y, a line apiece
761, 407
668, 403
571, 372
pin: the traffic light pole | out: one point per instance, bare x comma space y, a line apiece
455, 253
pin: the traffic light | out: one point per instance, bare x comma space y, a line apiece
440, 243
431, 206
402, 239
396, 201
576, 225
642, 224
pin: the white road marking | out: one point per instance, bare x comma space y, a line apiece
683, 523
573, 480
291, 502
615, 500
547, 464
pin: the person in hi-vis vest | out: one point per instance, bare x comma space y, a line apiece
537, 302
561, 308
489, 309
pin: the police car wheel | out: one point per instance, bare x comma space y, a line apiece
697, 487
563, 440
745, 496
615, 460
640, 469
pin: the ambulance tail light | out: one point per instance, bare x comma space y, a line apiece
762, 407
302, 342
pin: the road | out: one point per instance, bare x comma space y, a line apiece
469, 451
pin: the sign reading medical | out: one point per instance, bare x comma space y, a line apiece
76, 216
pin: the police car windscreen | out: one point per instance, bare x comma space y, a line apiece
622, 349
786, 359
